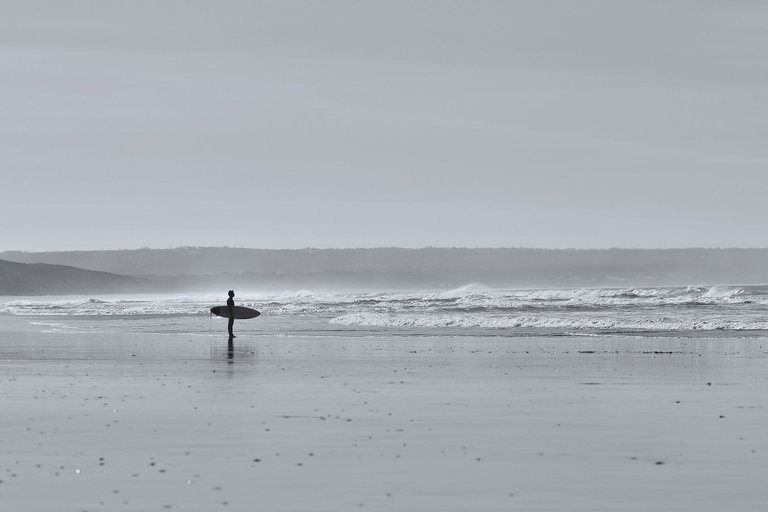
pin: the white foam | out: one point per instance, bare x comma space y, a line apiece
462, 291
472, 305
546, 322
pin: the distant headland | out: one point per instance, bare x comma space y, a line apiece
210, 268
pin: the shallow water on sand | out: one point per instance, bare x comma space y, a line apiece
99, 416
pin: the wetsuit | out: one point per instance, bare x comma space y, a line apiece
231, 306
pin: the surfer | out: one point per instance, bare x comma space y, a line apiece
231, 307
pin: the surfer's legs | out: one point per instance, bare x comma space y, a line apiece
230, 324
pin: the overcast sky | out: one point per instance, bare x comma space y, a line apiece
358, 123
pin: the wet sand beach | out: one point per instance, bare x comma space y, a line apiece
95, 421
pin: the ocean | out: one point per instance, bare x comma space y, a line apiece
472, 310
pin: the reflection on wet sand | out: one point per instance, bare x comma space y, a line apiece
242, 350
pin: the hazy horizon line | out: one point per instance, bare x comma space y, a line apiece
377, 247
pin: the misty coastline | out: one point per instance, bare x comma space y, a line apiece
210, 268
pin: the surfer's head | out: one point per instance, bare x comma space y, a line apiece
231, 293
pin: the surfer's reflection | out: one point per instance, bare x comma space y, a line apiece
234, 353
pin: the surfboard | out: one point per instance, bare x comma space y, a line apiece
241, 312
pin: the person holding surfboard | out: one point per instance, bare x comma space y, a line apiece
230, 311
231, 308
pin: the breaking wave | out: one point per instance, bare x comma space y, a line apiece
541, 322
692, 308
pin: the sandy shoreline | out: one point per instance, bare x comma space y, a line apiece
157, 422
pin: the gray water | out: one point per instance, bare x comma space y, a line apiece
471, 310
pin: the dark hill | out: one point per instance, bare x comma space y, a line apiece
209, 268
45, 279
